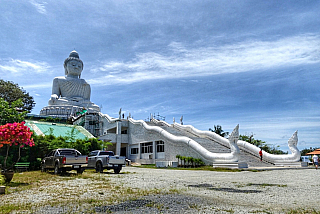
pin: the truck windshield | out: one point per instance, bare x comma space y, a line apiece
107, 153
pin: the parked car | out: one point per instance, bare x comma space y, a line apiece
306, 159
62, 160
100, 160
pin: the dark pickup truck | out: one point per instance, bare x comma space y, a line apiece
62, 160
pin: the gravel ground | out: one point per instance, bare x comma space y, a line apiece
273, 191
184, 191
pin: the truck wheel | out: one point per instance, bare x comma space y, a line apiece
43, 169
80, 171
99, 167
117, 170
57, 171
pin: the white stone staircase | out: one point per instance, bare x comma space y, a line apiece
214, 146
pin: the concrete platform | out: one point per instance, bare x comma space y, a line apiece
233, 165
291, 164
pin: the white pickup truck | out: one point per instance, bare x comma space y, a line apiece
100, 160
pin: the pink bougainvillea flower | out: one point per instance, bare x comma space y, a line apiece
15, 133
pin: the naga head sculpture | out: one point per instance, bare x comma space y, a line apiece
293, 141
234, 136
233, 139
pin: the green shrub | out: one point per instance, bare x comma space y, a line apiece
2, 179
189, 161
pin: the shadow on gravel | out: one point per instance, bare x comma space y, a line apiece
201, 185
211, 187
127, 205
163, 203
235, 190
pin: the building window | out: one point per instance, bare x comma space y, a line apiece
134, 151
146, 148
160, 146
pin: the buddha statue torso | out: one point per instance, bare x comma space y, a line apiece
70, 90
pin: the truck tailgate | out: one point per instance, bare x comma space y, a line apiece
75, 160
117, 160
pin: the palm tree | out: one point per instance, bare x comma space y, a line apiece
197, 161
179, 157
183, 158
201, 162
218, 130
188, 160
192, 160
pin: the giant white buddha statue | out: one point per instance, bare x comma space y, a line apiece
70, 91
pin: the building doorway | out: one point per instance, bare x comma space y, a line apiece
123, 151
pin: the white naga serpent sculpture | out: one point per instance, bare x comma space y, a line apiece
232, 142
233, 156
292, 144
250, 148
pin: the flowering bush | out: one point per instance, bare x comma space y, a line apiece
15, 134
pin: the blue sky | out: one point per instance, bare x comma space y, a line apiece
252, 63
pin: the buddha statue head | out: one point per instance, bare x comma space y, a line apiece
72, 61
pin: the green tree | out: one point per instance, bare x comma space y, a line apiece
305, 151
261, 144
218, 130
72, 134
11, 92
9, 113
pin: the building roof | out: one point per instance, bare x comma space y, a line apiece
57, 129
315, 152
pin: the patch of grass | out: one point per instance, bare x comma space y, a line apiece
266, 185
260, 211
174, 191
31, 176
9, 208
76, 193
146, 166
220, 169
228, 210
193, 206
205, 168
155, 205
303, 211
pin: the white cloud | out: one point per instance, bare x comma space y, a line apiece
274, 128
19, 67
39, 6
181, 61
38, 86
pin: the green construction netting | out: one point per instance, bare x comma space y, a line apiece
57, 130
